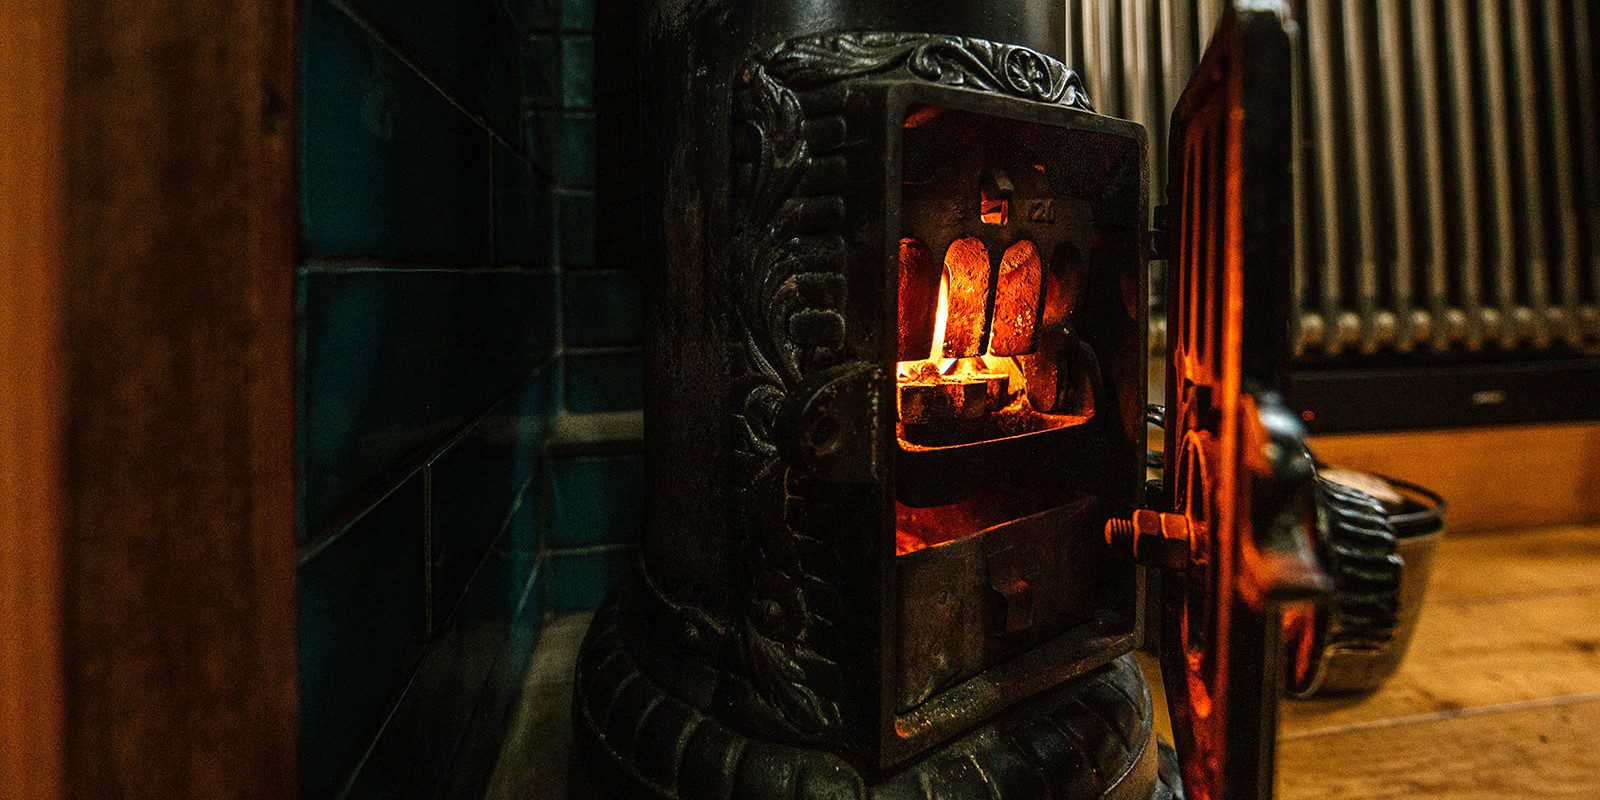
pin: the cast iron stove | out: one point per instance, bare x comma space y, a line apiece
900, 542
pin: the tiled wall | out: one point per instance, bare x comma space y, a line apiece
444, 193
596, 480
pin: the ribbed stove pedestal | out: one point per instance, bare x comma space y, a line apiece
635, 740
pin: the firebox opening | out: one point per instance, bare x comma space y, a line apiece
996, 347
976, 365
989, 356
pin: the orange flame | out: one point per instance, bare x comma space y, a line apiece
941, 320
988, 364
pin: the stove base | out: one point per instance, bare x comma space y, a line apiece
1091, 738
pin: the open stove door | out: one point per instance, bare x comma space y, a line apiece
1236, 463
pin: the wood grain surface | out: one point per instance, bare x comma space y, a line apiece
1494, 478
1499, 696
146, 422
32, 189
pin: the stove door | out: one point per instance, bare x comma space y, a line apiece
1236, 463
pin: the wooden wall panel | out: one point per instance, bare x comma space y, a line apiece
151, 329
1493, 478
32, 71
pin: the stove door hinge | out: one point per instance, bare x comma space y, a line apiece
1153, 539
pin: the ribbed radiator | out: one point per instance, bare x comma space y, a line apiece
1448, 178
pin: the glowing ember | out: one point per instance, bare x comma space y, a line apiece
938, 388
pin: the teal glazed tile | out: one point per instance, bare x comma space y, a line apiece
469, 48
389, 168
577, 71
577, 15
577, 213
525, 530
414, 756
398, 361
601, 308
499, 590
496, 702
524, 215
604, 380
576, 165
361, 626
542, 137
475, 486
541, 66
596, 500
534, 15
579, 580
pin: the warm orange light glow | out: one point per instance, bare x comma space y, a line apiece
995, 212
976, 366
939, 389
919, 277
966, 268
957, 378
1016, 301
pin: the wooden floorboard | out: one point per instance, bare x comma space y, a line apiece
1512, 617
1518, 562
1542, 751
1499, 696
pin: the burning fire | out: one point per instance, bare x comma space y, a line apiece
938, 388
936, 362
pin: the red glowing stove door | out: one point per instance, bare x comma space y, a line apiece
1236, 463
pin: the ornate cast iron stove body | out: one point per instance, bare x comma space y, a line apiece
896, 422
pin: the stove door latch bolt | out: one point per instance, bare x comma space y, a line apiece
1152, 538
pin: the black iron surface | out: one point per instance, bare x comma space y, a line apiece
643, 732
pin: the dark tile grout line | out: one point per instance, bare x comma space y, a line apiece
360, 764
529, 588
302, 406
494, 544
339, 266
428, 646
592, 549
604, 350
489, 190
410, 467
427, 554
411, 63
602, 272
517, 613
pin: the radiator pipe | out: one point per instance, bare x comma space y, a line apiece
1094, 55
1362, 154
1391, 58
1566, 210
1207, 14
1140, 76
1463, 93
1340, 327
1589, 121
1177, 42
1308, 329
1448, 322
1535, 260
1514, 321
